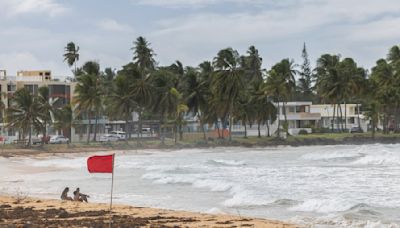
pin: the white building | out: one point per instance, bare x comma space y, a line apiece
351, 114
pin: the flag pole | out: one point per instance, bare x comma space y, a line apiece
112, 185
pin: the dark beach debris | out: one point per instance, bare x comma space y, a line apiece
59, 217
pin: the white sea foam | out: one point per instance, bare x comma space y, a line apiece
386, 159
322, 205
227, 162
339, 221
330, 155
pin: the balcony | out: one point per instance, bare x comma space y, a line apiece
302, 116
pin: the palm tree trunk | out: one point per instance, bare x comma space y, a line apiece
373, 127
162, 130
230, 126
44, 132
223, 128
259, 130
88, 129
140, 124
358, 116
126, 128
202, 128
279, 120
345, 115
139, 131
341, 117
219, 134
175, 132
333, 116
268, 134
180, 127
245, 129
95, 128
286, 122
30, 135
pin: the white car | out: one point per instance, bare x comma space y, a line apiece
108, 138
34, 139
119, 134
58, 139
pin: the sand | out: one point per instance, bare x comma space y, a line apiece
34, 212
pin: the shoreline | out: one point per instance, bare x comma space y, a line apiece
36, 212
7, 151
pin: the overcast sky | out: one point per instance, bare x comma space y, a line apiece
34, 32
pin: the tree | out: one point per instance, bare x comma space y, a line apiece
166, 97
63, 119
227, 82
71, 55
196, 93
305, 81
45, 107
384, 78
143, 55
328, 83
88, 94
262, 109
141, 89
275, 87
121, 101
252, 66
24, 113
286, 72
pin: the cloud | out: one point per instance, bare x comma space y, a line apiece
187, 3
18, 7
112, 25
279, 31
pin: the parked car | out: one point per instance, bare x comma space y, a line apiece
58, 139
108, 138
356, 130
119, 134
34, 140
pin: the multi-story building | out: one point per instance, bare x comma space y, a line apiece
60, 93
348, 116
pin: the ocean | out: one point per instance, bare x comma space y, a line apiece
316, 186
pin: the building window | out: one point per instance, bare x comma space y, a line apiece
11, 87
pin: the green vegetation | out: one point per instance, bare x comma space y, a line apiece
228, 89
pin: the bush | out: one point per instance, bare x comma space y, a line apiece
303, 132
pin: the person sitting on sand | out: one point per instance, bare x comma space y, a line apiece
79, 196
64, 194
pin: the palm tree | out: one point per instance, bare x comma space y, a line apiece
121, 101
24, 113
385, 79
227, 82
328, 83
63, 120
46, 108
143, 55
166, 97
285, 70
195, 92
71, 55
141, 90
275, 87
252, 66
88, 94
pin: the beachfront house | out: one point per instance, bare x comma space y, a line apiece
351, 116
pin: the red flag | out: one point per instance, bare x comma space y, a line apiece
101, 164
